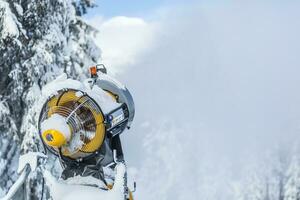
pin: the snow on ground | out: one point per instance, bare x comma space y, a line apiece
68, 190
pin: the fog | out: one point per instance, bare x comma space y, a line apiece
216, 88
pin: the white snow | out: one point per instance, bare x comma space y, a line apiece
9, 21
4, 111
30, 158
19, 9
75, 143
103, 99
1, 192
2, 165
79, 94
61, 82
89, 180
72, 190
57, 122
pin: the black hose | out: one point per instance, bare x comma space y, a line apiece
43, 187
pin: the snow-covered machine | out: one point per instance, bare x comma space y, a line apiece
80, 123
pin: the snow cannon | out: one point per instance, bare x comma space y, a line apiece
82, 121
73, 124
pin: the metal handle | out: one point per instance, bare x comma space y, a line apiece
16, 186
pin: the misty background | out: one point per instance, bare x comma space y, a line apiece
216, 88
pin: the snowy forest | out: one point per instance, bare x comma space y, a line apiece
39, 41
217, 106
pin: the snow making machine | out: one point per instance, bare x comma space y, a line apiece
81, 122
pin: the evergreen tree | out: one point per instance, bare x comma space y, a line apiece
38, 41
264, 180
292, 186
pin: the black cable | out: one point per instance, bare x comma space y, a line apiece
43, 187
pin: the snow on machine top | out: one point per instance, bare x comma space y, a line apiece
103, 99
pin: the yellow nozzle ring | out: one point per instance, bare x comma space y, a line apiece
54, 138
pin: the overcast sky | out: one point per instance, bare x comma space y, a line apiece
216, 86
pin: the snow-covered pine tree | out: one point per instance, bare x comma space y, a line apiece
292, 186
270, 178
38, 41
